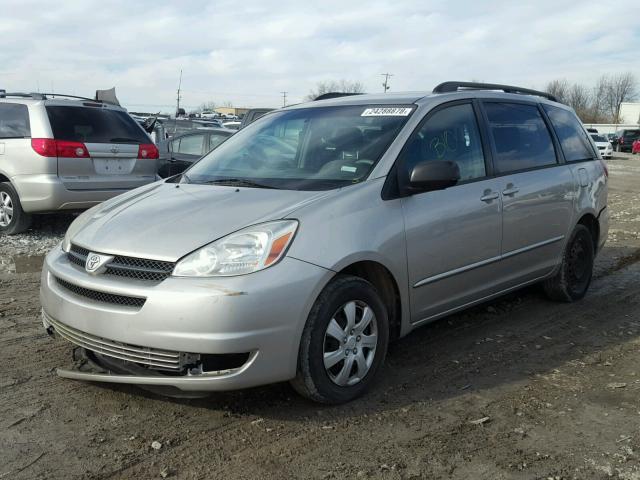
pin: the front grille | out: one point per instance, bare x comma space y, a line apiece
151, 357
131, 267
102, 297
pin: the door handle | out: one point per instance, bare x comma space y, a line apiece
510, 191
489, 196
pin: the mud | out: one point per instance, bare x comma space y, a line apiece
520, 388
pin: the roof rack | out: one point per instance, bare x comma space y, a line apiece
326, 96
37, 96
43, 96
455, 86
70, 96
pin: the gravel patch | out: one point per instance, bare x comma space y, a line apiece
45, 232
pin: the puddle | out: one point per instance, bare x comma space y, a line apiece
28, 263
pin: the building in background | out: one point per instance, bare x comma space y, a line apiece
630, 113
237, 111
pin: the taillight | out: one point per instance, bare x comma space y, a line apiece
48, 147
71, 149
44, 146
148, 151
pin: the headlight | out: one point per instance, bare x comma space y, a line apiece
245, 251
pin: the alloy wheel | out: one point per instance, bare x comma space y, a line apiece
6, 209
350, 343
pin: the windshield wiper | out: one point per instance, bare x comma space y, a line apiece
124, 139
237, 182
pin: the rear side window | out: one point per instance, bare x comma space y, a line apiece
215, 140
573, 139
14, 121
191, 145
521, 137
94, 125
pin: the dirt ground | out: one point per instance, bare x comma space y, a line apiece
521, 388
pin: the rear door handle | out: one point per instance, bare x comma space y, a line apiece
510, 191
487, 197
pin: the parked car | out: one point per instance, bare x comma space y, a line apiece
252, 115
603, 145
173, 127
58, 153
232, 125
636, 147
183, 150
626, 137
303, 244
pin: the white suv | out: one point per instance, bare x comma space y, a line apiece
58, 153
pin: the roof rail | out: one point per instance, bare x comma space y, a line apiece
44, 96
455, 86
326, 96
70, 96
37, 96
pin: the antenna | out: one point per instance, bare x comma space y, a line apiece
284, 99
385, 84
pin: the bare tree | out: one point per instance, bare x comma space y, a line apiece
342, 86
579, 98
621, 88
559, 89
599, 110
207, 106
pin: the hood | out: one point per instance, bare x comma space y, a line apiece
168, 221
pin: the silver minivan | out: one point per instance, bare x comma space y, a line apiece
304, 244
66, 153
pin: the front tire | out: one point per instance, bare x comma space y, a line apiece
344, 342
573, 278
13, 219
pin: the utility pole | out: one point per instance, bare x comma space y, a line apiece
178, 97
385, 85
284, 99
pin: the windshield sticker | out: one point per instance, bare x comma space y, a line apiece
387, 112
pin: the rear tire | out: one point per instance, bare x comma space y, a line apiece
573, 278
13, 219
344, 342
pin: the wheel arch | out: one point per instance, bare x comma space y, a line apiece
387, 286
590, 221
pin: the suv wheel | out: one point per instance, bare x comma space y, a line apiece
344, 342
12, 218
574, 276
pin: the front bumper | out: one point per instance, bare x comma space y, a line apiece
47, 193
262, 314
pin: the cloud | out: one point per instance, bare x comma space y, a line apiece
248, 52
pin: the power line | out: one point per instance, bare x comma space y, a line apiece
385, 84
284, 99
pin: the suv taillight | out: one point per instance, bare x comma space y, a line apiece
148, 151
49, 147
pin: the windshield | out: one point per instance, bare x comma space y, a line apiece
598, 138
304, 149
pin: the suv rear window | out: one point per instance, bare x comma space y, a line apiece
94, 125
14, 121
573, 139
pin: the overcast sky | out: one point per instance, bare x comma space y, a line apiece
247, 52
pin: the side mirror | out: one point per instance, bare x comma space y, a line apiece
430, 175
